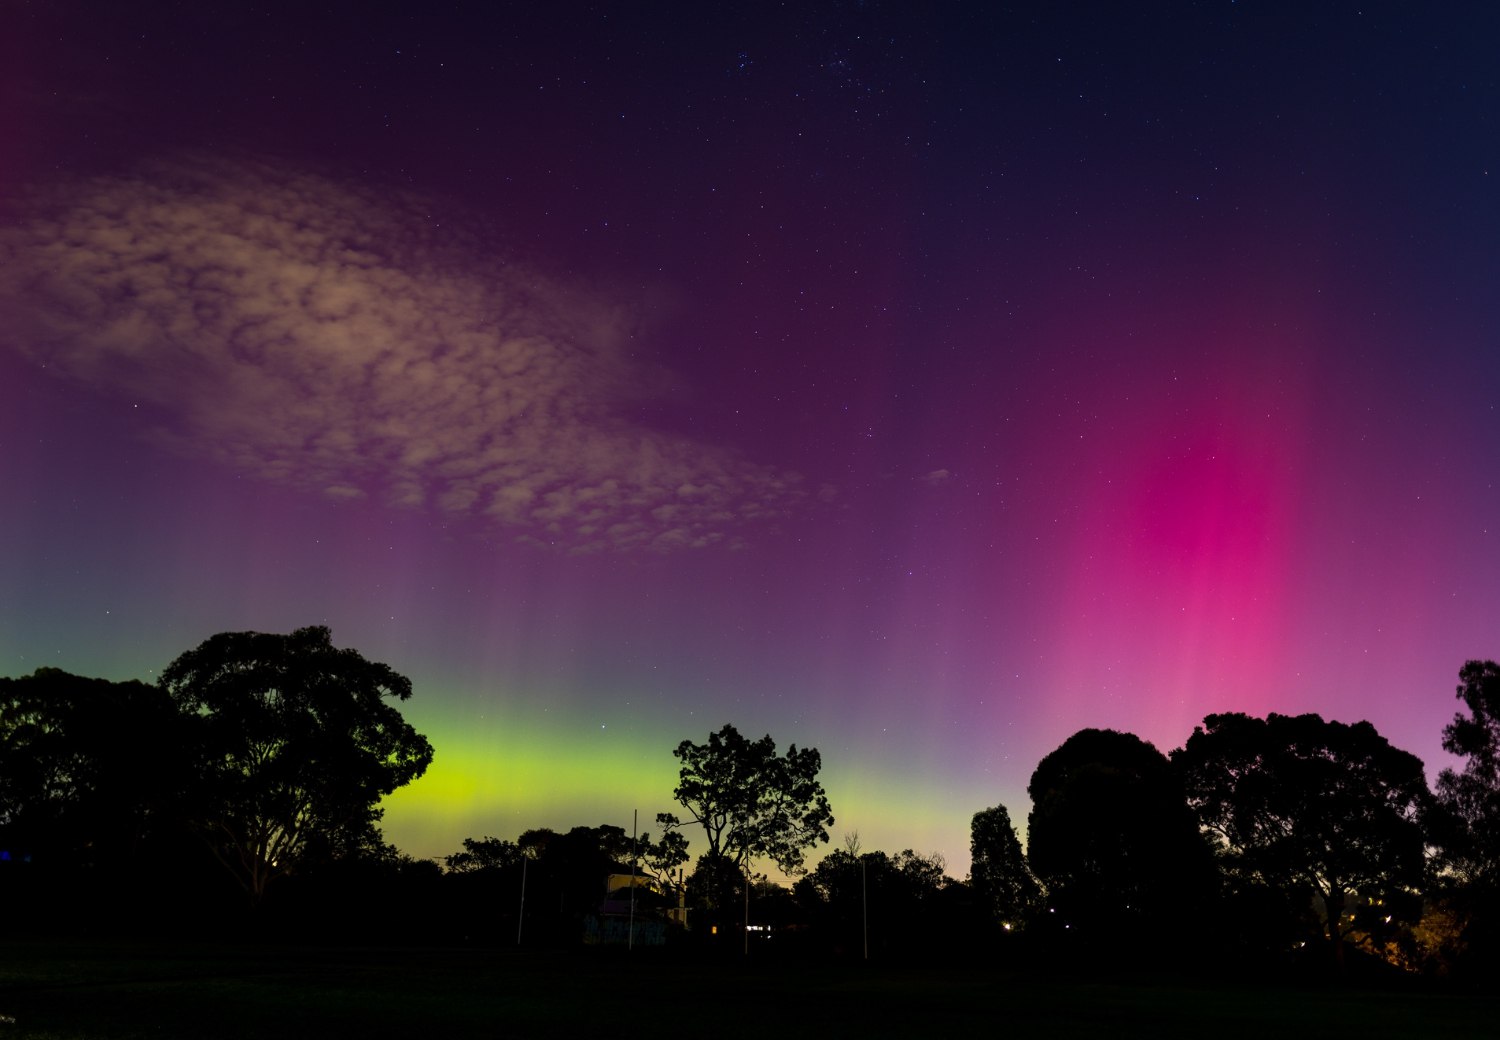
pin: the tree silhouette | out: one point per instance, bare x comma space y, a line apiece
1003, 883
1111, 838
1309, 808
484, 854
749, 800
93, 778
88, 767
1471, 798
660, 859
877, 904
1466, 823
296, 744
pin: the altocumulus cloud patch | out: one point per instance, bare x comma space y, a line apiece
333, 338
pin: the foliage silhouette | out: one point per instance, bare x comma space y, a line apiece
75, 785
277, 749
1471, 797
1466, 823
1310, 809
92, 779
296, 743
565, 877
881, 905
484, 854
750, 801
1003, 883
715, 895
1112, 840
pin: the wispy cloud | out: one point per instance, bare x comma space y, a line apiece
334, 338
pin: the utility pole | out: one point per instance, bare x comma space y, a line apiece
635, 828
521, 913
864, 904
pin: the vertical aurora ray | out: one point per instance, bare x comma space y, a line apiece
1000, 386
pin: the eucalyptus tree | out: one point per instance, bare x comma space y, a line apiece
1311, 809
296, 741
1469, 798
1003, 884
1112, 841
750, 801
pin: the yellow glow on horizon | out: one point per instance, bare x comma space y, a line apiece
489, 784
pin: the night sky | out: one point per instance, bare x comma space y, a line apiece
922, 383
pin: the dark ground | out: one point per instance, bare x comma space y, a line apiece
69, 991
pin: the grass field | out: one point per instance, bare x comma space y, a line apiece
99, 990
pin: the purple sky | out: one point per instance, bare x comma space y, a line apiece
921, 387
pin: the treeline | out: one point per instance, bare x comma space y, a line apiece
254, 759
576, 887
1284, 844
1274, 842
239, 795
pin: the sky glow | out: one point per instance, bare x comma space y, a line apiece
918, 387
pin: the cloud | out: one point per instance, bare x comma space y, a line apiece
936, 477
339, 339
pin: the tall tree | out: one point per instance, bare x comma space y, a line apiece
1465, 825
1003, 883
1470, 798
749, 800
1309, 808
297, 743
1111, 838
88, 767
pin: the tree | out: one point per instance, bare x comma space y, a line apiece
714, 892
1309, 808
565, 873
88, 768
1003, 883
92, 776
876, 904
484, 854
750, 801
296, 743
1465, 825
660, 859
1470, 799
1111, 838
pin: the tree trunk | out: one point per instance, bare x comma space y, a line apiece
1333, 909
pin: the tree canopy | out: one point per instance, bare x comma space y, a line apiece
1297, 804
875, 901
1111, 838
271, 753
1470, 797
484, 854
297, 742
88, 767
1003, 883
749, 800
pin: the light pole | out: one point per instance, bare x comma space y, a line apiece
635, 826
521, 913
864, 904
